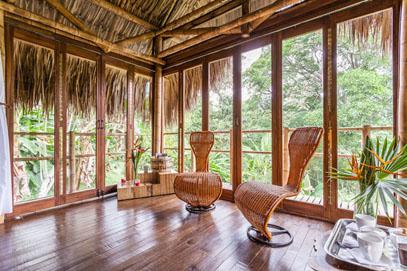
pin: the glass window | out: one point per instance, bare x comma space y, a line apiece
303, 104
256, 115
364, 90
221, 115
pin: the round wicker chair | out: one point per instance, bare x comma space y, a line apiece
257, 201
199, 189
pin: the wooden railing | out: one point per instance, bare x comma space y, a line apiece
365, 130
72, 155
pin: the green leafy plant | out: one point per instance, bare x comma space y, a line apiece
137, 153
375, 173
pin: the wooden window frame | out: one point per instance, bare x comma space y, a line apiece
61, 47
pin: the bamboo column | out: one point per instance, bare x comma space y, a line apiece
402, 99
158, 96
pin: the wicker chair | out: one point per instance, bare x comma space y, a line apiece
257, 201
199, 189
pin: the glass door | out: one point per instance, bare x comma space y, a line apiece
34, 140
80, 96
364, 95
302, 105
221, 117
116, 104
192, 112
256, 115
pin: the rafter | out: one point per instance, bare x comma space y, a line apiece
179, 22
124, 13
266, 11
62, 29
67, 14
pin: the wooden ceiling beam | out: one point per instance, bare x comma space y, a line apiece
67, 14
124, 13
188, 32
57, 28
266, 11
213, 14
179, 22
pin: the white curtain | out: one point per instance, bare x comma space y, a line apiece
6, 200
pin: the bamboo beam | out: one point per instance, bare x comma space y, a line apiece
179, 22
181, 33
158, 97
67, 14
266, 11
187, 32
70, 32
245, 27
402, 99
124, 13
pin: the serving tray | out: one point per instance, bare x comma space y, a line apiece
335, 248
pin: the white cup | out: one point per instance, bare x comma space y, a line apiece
379, 231
365, 220
371, 245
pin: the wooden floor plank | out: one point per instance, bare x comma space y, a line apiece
149, 234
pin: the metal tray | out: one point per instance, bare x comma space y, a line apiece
333, 246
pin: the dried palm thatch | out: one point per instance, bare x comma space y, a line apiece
377, 26
192, 86
35, 84
33, 70
143, 97
220, 73
116, 93
81, 86
171, 100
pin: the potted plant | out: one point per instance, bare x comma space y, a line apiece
136, 154
375, 170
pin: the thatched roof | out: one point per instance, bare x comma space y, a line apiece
35, 85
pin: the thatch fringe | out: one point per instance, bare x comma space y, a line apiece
81, 86
35, 84
143, 97
220, 73
171, 100
375, 26
34, 76
115, 93
192, 86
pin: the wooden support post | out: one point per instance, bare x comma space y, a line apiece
277, 108
72, 161
231, 157
205, 95
286, 155
237, 118
130, 123
246, 27
158, 95
402, 106
181, 106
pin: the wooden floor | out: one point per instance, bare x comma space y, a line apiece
149, 234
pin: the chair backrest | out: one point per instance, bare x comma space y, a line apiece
302, 146
201, 144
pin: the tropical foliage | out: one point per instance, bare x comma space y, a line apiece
374, 172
